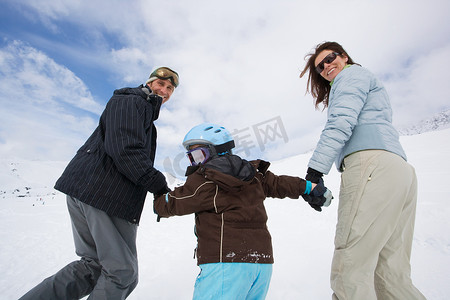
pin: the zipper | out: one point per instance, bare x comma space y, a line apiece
221, 239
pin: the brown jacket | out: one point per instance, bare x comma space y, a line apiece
226, 195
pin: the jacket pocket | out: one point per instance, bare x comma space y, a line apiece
89, 147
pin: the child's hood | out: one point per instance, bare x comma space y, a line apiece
230, 172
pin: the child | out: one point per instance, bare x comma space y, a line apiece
226, 193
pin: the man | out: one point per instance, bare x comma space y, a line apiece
106, 184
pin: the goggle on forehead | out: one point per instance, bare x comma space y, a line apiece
166, 73
198, 155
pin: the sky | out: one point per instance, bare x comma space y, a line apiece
239, 64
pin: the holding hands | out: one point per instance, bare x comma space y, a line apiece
316, 194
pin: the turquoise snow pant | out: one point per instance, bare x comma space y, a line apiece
226, 281
374, 233
108, 268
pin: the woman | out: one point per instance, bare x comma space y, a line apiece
378, 193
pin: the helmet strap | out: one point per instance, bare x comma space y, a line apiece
221, 149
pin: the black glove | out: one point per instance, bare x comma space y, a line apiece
159, 193
313, 202
319, 196
319, 189
162, 191
313, 175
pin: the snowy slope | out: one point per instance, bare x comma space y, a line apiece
36, 241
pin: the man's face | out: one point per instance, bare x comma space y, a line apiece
163, 88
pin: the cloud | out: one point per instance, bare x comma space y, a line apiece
44, 105
23, 67
417, 90
239, 61
134, 58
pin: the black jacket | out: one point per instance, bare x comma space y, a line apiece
113, 170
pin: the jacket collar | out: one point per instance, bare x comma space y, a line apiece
153, 99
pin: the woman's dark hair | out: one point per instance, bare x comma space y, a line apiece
318, 86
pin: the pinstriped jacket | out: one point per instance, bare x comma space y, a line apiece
113, 170
227, 196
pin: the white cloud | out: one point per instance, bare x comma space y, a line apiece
418, 90
239, 61
39, 99
25, 69
135, 59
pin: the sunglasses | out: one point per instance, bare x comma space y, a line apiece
166, 73
327, 60
198, 155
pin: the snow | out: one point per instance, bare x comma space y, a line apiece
36, 238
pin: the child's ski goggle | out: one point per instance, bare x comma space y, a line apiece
198, 155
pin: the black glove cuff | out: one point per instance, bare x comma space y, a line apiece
313, 175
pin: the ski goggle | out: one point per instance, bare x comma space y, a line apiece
165, 73
327, 60
198, 155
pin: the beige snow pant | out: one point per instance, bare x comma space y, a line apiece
374, 232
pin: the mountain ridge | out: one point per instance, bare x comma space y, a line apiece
437, 122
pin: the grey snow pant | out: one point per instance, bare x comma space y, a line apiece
108, 268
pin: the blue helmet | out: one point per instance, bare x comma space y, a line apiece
212, 135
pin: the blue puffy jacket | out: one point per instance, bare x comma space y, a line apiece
359, 118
